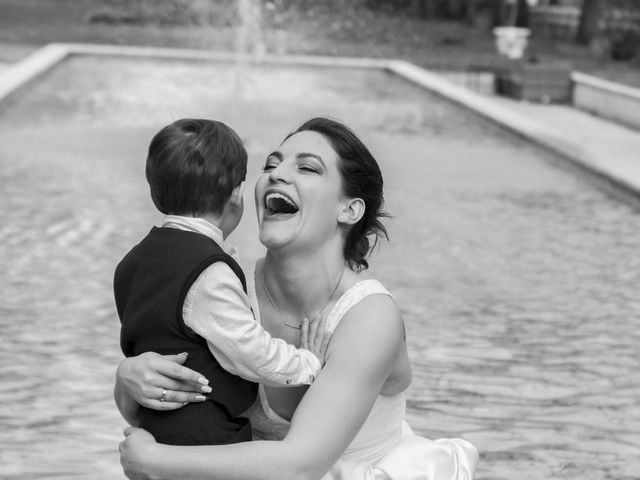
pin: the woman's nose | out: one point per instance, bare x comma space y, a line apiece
282, 173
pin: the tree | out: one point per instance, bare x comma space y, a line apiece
498, 12
589, 20
510, 12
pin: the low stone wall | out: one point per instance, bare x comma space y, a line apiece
609, 100
483, 83
18, 75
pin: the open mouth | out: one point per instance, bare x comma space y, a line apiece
277, 203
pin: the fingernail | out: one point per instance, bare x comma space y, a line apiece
203, 381
183, 354
200, 398
205, 389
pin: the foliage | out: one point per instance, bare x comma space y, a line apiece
624, 45
224, 12
622, 28
451, 9
164, 12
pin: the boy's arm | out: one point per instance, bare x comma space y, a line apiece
217, 309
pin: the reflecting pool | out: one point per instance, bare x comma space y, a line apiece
518, 280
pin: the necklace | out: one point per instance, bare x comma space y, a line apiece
281, 314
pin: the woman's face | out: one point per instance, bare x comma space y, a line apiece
298, 196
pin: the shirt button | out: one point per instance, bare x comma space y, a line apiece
312, 378
288, 381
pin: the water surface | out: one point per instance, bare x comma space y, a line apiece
517, 279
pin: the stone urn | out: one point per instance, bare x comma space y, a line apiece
511, 41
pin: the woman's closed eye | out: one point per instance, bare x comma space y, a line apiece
308, 169
270, 164
273, 164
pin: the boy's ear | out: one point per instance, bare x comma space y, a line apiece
352, 211
237, 194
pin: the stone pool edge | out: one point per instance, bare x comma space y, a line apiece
613, 179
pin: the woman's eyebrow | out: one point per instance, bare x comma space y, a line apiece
312, 155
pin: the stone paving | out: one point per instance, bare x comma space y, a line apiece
605, 145
602, 149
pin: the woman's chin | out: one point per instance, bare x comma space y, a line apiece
276, 231
273, 239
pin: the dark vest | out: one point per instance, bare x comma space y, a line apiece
150, 286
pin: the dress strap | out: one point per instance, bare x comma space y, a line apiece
351, 297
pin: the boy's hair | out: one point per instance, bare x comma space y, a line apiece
193, 165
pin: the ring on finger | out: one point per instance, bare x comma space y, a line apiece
163, 396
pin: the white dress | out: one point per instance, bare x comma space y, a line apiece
385, 448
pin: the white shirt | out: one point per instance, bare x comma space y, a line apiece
217, 308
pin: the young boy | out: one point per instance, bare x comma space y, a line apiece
178, 291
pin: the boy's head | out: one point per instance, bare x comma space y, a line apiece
194, 166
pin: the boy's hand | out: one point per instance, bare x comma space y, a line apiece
314, 337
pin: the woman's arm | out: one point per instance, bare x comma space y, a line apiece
140, 380
361, 355
127, 406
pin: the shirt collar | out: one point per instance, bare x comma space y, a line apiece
193, 224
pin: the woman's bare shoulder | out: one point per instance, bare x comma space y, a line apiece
373, 330
372, 313
365, 294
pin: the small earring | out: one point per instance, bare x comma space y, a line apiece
341, 218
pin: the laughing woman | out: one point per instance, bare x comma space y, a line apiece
319, 203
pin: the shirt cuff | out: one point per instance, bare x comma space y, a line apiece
314, 365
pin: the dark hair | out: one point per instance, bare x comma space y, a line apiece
361, 178
193, 165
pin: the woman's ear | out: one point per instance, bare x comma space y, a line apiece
352, 211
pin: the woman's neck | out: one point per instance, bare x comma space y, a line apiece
302, 285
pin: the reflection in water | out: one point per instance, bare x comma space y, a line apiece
250, 47
518, 281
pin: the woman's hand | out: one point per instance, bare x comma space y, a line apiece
160, 382
136, 451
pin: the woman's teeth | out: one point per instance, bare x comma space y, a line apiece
279, 203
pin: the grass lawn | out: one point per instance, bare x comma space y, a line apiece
352, 31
